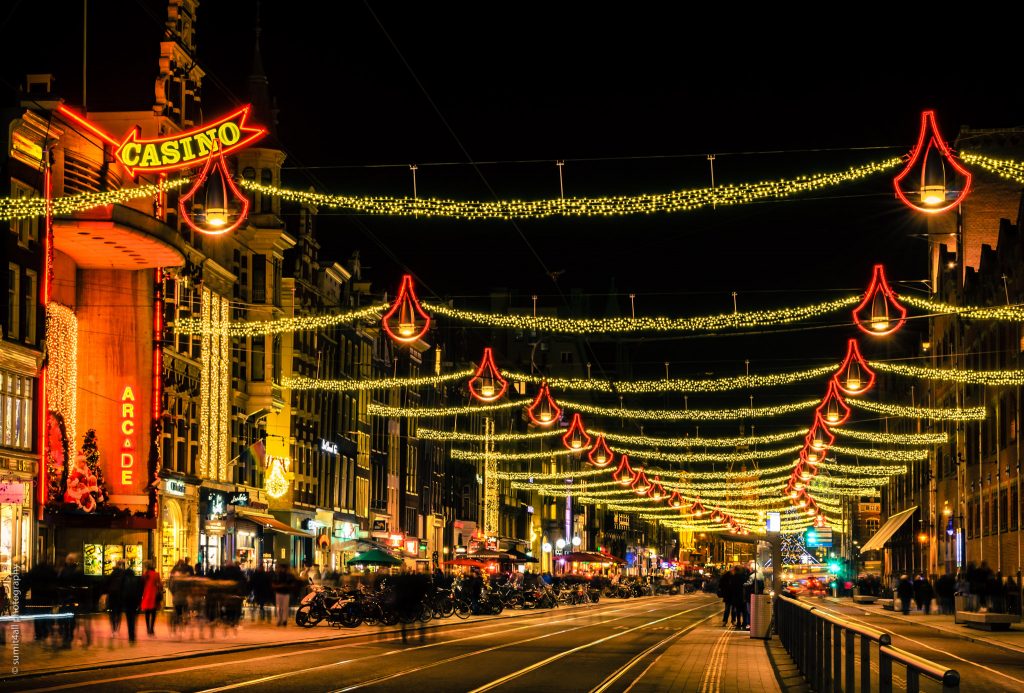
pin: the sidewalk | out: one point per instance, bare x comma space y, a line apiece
95, 647
712, 659
1012, 639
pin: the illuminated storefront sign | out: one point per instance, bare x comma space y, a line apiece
12, 492
395, 540
239, 498
328, 446
346, 531
412, 546
128, 444
174, 487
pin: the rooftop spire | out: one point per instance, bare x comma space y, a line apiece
264, 111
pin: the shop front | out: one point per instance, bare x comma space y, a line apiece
16, 523
178, 528
280, 542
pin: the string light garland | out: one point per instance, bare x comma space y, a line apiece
710, 323
508, 456
886, 455
553, 476
697, 442
674, 385
62, 369
279, 326
1013, 313
301, 382
677, 201
1006, 168
431, 434
851, 469
691, 414
953, 375
710, 457
893, 438
949, 414
374, 409
28, 207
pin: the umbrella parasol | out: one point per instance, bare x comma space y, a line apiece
374, 557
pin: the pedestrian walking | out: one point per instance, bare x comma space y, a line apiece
945, 589
283, 583
113, 591
131, 598
179, 586
152, 596
905, 592
923, 594
42, 596
724, 592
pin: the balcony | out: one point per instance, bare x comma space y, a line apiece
117, 237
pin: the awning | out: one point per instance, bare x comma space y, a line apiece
590, 557
272, 523
887, 530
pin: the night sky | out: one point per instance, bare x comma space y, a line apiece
633, 99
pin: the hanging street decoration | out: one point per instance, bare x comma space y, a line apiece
935, 414
928, 181
880, 313
600, 455
487, 385
820, 437
213, 205
544, 412
406, 321
576, 437
854, 377
833, 408
624, 473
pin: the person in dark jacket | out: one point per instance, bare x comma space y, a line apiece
923, 594
945, 589
724, 592
42, 581
113, 590
131, 598
905, 592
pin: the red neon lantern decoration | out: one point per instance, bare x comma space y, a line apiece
697, 509
219, 196
833, 409
487, 385
717, 516
657, 491
820, 437
623, 475
877, 313
641, 486
406, 321
576, 437
675, 500
544, 412
600, 455
931, 154
854, 376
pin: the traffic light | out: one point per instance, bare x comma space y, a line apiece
834, 567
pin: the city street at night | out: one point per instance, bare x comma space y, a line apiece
462, 347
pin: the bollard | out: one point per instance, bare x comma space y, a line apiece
851, 644
865, 663
837, 658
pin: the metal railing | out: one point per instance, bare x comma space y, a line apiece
824, 648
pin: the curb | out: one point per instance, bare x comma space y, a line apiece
430, 625
955, 633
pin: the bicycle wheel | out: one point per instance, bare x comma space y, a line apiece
351, 616
463, 609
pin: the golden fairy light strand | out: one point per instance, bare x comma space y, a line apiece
676, 384
697, 442
553, 476
886, 455
953, 375
301, 382
27, 207
691, 414
676, 201
709, 323
424, 412
1014, 313
831, 465
1006, 168
708, 456
948, 414
281, 325
892, 438
430, 434
511, 456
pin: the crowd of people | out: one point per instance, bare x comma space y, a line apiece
987, 590
735, 586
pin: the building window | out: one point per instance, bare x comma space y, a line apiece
13, 304
259, 278
259, 358
16, 408
26, 229
566, 357
31, 285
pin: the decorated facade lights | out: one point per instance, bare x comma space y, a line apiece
833, 408
924, 183
406, 321
214, 205
600, 454
641, 486
544, 411
820, 437
879, 313
854, 376
487, 385
623, 474
576, 437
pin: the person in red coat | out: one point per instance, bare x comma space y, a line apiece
152, 595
